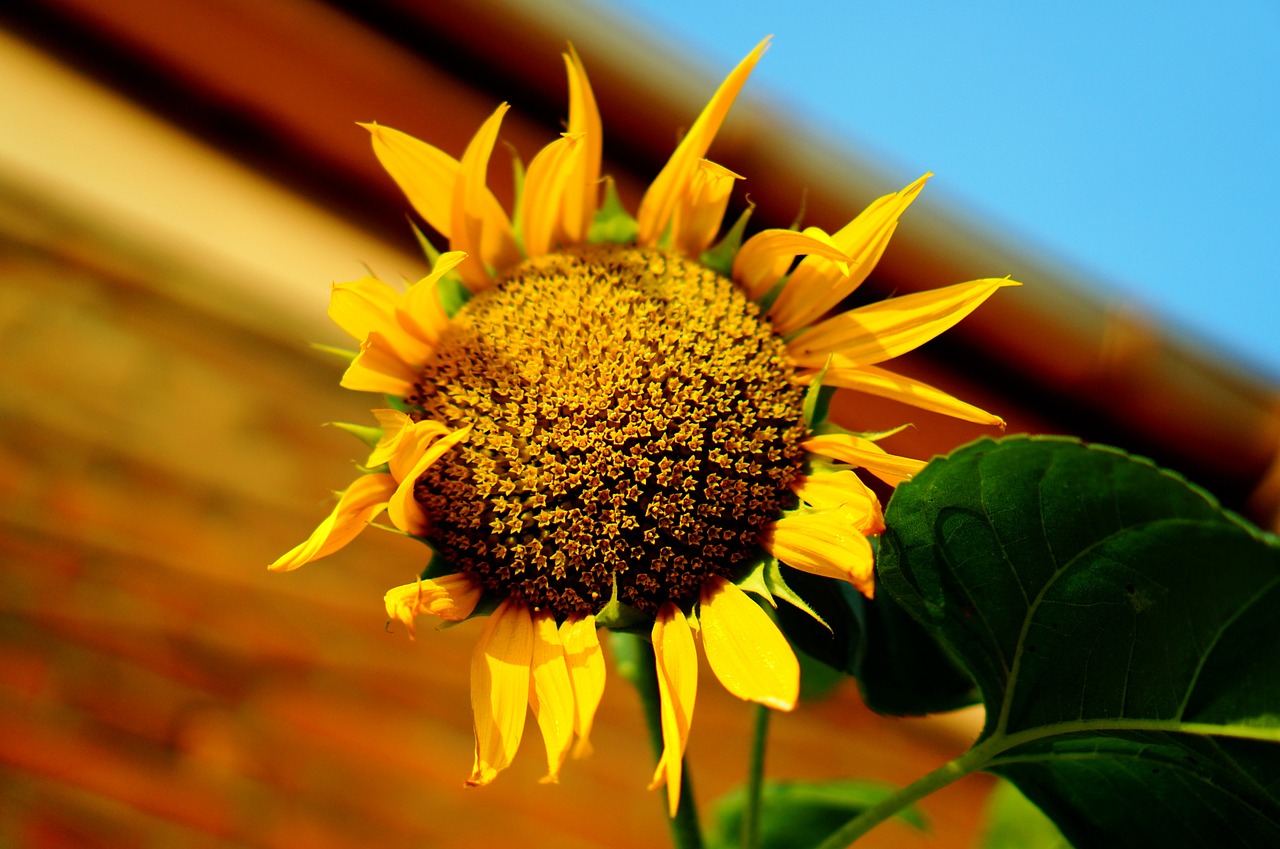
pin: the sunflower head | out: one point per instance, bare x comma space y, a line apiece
593, 422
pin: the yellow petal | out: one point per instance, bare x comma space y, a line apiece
826, 543
551, 693
699, 214
659, 202
818, 285
880, 331
829, 490
392, 423
364, 499
583, 191
886, 384
500, 689
764, 259
481, 230
420, 313
745, 649
865, 454
362, 305
424, 173
415, 440
546, 187
403, 510
451, 597
379, 368
677, 663
586, 670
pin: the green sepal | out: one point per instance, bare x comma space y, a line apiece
453, 294
620, 616
484, 607
367, 434
778, 587
719, 257
817, 398
765, 301
341, 353
396, 403
830, 428
612, 223
437, 567
428, 249
755, 580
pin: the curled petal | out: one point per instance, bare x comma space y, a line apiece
586, 670
659, 202
583, 190
863, 453
677, 663
880, 331
364, 499
829, 490
476, 227
546, 188
451, 597
745, 649
500, 689
874, 380
403, 441
700, 212
766, 256
379, 368
551, 693
403, 510
818, 285
415, 441
827, 543
392, 423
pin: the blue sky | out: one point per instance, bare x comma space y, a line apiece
1137, 142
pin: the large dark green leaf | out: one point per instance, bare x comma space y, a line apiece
1123, 630
900, 668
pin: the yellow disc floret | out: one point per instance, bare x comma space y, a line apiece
634, 420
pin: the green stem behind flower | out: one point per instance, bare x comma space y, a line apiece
952, 770
755, 780
636, 663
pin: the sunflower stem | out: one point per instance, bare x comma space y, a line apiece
755, 780
685, 831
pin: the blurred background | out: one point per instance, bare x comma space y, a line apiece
179, 184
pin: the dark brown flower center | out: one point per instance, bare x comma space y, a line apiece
634, 420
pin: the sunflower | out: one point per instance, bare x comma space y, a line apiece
600, 421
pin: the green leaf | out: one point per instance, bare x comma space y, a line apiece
1124, 632
1012, 822
901, 669
801, 814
